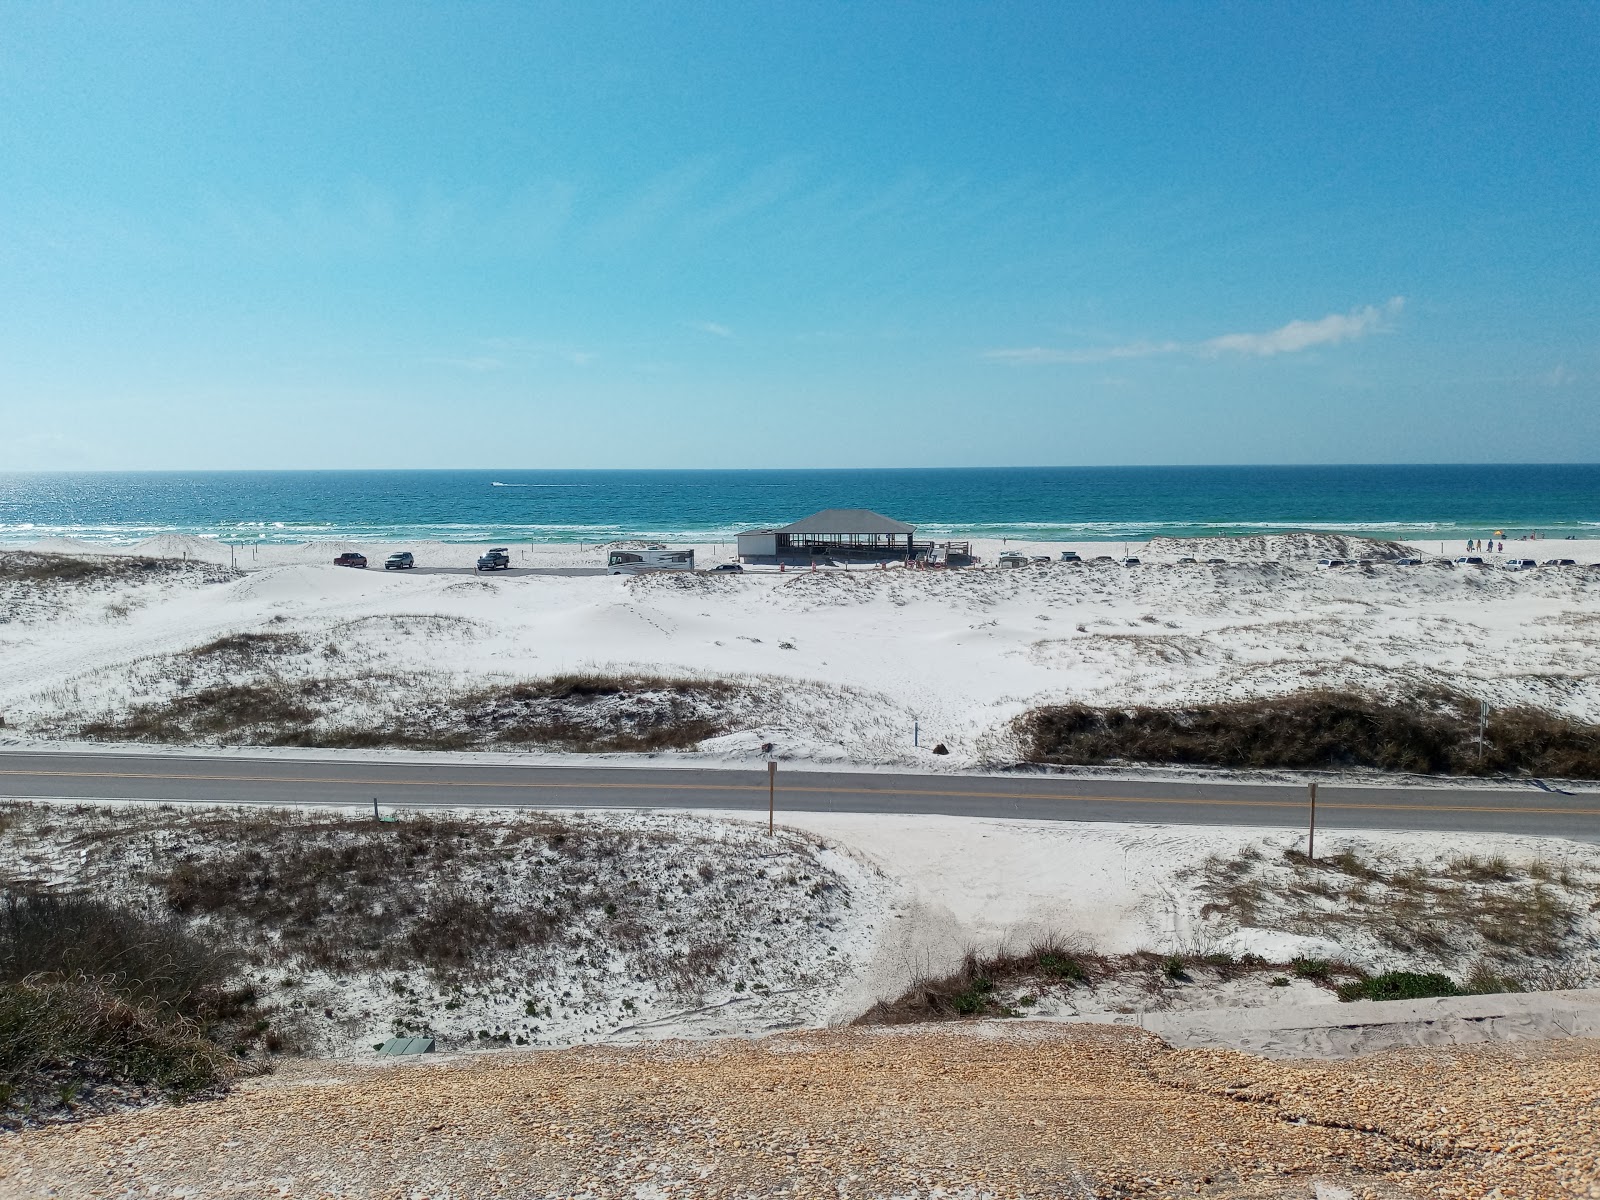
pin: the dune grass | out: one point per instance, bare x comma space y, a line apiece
32, 567
580, 712
101, 1003
1431, 732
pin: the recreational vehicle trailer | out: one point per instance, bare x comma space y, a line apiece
636, 562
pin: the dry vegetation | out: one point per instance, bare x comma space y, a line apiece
1497, 926
27, 567
585, 713
1010, 983
522, 929
1369, 926
984, 985
347, 895
1432, 732
102, 1006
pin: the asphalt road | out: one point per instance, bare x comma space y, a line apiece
270, 780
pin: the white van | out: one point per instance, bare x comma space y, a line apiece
637, 562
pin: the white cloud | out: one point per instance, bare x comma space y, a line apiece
712, 327
1302, 335
1286, 339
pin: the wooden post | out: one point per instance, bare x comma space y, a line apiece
1311, 839
772, 792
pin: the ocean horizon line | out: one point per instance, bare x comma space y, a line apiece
512, 470
1434, 503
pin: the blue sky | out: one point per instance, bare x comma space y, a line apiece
588, 235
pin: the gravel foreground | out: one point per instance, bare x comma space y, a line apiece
983, 1110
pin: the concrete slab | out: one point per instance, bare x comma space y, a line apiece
1365, 1027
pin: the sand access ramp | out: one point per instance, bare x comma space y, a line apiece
987, 1109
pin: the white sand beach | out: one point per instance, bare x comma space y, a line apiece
851, 664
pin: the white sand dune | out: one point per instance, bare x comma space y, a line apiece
867, 654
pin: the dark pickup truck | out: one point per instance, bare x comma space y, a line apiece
498, 559
351, 559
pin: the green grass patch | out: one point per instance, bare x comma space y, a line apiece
1400, 985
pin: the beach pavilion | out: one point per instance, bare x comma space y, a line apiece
856, 534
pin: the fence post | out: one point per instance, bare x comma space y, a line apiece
1311, 839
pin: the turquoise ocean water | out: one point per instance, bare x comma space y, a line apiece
1043, 503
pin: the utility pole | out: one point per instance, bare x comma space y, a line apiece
1311, 839
1483, 725
772, 792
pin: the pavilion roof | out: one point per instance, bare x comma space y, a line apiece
847, 521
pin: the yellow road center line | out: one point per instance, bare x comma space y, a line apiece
1353, 806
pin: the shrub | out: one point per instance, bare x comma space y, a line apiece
596, 713
26, 566
1431, 731
1483, 981
1400, 985
147, 960
970, 990
1062, 966
62, 1036
94, 995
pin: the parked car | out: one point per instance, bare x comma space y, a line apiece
1130, 562
1408, 562
401, 561
1042, 560
731, 568
1521, 564
351, 559
1329, 563
1559, 562
1102, 558
1070, 556
1469, 560
1217, 562
498, 559
1012, 558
